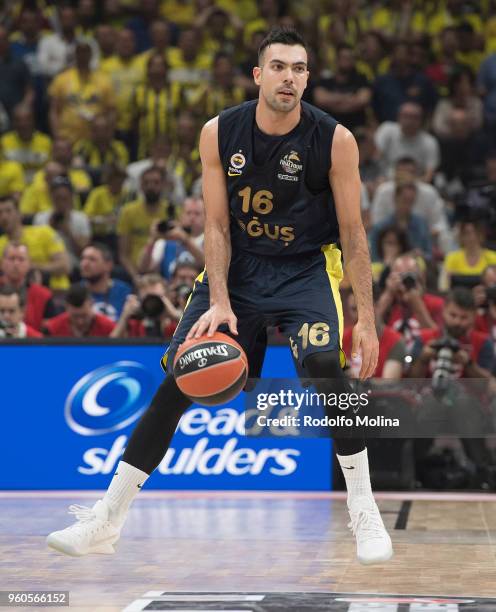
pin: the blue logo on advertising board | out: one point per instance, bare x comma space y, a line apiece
109, 398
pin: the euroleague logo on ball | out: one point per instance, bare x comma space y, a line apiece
109, 398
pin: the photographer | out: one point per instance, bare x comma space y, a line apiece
171, 242
485, 300
12, 314
453, 351
404, 305
472, 350
150, 314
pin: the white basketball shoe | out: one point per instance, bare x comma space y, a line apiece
373, 542
92, 533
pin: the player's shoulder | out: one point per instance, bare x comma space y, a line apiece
318, 115
232, 113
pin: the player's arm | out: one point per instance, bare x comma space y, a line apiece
345, 182
217, 235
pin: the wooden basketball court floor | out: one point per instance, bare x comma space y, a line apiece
255, 543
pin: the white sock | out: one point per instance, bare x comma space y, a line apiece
125, 485
356, 474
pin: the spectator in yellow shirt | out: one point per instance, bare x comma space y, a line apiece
185, 153
46, 249
188, 65
101, 149
160, 36
125, 70
77, 95
221, 92
136, 218
153, 105
106, 37
26, 145
104, 203
80, 180
470, 260
220, 31
36, 198
11, 178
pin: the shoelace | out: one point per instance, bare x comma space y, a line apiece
82, 513
368, 522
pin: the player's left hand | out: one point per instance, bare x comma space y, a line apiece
364, 341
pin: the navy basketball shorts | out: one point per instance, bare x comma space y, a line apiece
299, 294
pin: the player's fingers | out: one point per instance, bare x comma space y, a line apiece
233, 324
372, 362
203, 324
212, 328
355, 344
192, 331
366, 356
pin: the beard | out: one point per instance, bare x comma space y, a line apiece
456, 331
94, 278
282, 105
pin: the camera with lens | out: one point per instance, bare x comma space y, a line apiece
152, 307
151, 310
183, 291
409, 280
166, 226
490, 296
5, 330
445, 348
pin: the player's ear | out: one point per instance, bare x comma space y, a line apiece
257, 73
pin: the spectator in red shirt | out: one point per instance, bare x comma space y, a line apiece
404, 305
151, 313
455, 408
11, 315
16, 268
475, 357
392, 349
485, 299
79, 320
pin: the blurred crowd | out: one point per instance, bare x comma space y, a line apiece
101, 214
101, 105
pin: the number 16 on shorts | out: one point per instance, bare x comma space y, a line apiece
309, 334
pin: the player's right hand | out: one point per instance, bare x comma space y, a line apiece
211, 319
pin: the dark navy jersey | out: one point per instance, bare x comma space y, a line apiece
278, 188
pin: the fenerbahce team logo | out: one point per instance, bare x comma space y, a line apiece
292, 166
237, 163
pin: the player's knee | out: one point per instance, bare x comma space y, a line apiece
326, 364
169, 397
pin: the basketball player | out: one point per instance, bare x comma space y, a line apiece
281, 186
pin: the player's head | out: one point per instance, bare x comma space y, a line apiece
282, 71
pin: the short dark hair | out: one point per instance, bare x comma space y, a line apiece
153, 170
406, 160
461, 297
7, 291
344, 46
77, 295
401, 236
283, 36
10, 198
102, 248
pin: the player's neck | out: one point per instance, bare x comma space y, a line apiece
276, 123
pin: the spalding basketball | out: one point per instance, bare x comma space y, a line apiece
210, 371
